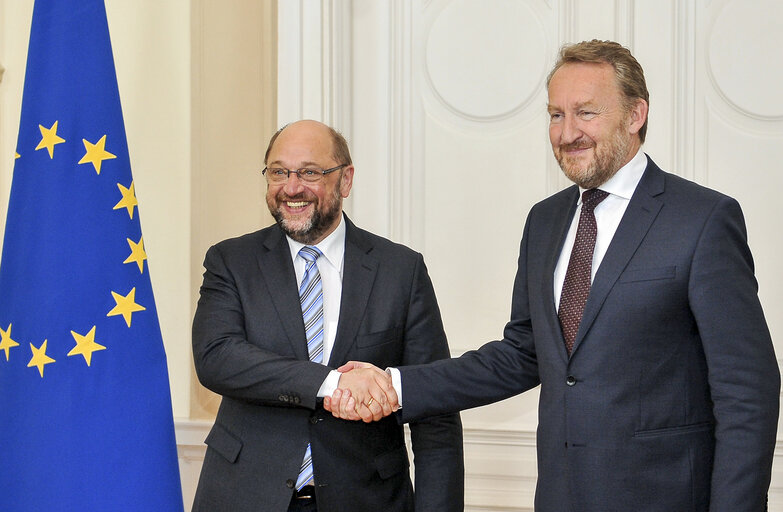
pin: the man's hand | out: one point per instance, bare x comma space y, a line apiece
364, 392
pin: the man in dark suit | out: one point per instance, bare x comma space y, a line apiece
635, 308
273, 321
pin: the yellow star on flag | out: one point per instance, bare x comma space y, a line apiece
85, 345
40, 359
17, 155
128, 198
49, 138
137, 255
96, 153
6, 342
126, 306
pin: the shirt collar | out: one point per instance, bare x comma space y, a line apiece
332, 247
624, 182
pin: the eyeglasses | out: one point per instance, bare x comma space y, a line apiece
309, 175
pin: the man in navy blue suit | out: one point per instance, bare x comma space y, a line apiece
659, 382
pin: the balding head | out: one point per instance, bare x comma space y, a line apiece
339, 148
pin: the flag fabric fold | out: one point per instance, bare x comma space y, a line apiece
85, 408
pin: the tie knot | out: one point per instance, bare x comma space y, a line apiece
309, 253
591, 198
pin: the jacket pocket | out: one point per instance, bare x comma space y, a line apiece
224, 443
393, 462
673, 431
378, 338
648, 274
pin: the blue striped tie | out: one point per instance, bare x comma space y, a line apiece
311, 298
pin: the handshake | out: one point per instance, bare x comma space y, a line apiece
364, 392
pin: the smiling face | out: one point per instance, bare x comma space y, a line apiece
592, 130
307, 212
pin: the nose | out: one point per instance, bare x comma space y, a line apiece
293, 185
570, 131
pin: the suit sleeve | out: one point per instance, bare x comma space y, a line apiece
228, 364
436, 441
744, 378
497, 370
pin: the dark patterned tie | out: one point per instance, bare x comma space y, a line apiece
576, 286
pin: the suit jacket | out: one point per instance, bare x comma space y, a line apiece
249, 346
669, 401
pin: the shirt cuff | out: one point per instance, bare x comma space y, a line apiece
396, 382
329, 385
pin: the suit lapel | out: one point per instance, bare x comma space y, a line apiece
359, 271
554, 237
639, 216
277, 270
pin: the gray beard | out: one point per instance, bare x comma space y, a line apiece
603, 167
318, 224
314, 229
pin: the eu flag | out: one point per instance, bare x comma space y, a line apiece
85, 409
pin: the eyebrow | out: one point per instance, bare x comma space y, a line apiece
587, 104
578, 106
300, 166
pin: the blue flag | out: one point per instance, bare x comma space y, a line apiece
85, 409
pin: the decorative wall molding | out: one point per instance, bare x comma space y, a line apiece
683, 104
567, 20
624, 22
191, 434
406, 194
337, 50
314, 64
745, 25
506, 53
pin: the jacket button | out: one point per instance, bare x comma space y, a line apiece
313, 420
290, 483
570, 380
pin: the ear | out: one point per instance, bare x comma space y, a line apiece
346, 181
638, 116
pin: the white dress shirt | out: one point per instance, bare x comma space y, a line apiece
608, 215
330, 266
